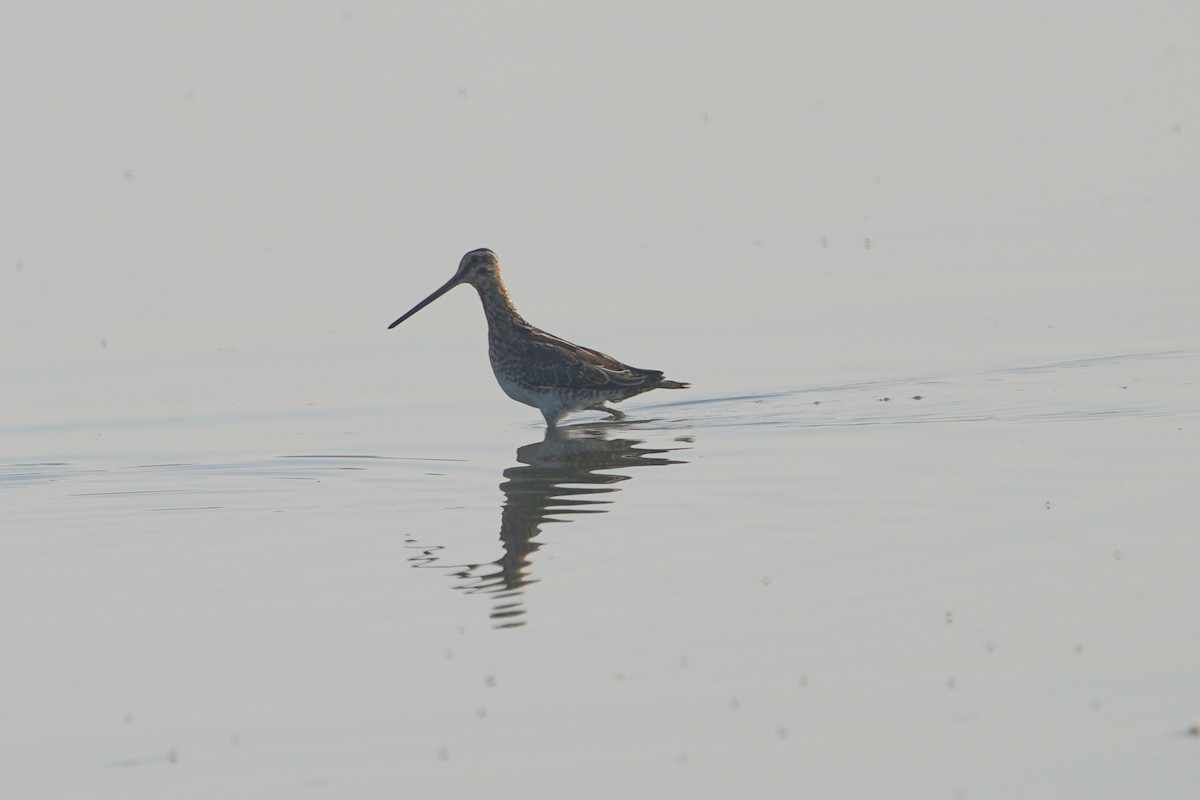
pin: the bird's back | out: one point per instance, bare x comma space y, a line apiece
545, 361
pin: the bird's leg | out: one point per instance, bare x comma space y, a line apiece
612, 412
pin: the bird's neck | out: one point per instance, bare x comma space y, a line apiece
497, 305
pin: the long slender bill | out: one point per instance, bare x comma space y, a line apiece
450, 284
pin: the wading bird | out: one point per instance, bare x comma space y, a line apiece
537, 368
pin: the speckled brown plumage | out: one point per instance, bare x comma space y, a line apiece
538, 368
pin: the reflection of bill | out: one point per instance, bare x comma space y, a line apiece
559, 476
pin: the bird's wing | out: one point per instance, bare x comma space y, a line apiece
546, 360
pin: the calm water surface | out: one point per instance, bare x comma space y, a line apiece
721, 594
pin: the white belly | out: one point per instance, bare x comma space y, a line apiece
552, 404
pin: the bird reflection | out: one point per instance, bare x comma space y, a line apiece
562, 475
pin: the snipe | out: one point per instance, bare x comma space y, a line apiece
537, 368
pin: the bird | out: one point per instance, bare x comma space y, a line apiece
538, 368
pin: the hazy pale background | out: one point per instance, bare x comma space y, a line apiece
209, 214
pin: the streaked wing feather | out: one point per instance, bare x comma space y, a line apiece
547, 360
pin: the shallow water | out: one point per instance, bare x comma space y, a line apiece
722, 594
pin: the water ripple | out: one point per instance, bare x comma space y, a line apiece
1151, 384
